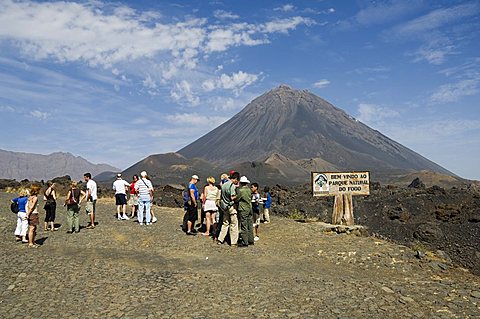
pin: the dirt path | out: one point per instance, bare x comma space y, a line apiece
123, 270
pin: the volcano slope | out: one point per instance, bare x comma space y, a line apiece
123, 270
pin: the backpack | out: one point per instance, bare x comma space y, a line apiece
14, 207
186, 197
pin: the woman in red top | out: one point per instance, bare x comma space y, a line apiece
133, 198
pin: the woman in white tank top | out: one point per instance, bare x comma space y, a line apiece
210, 193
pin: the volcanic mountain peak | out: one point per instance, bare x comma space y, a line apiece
300, 125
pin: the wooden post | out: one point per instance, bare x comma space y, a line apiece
343, 210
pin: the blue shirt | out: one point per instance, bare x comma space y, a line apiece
268, 202
22, 203
195, 190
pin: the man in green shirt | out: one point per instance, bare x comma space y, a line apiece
245, 216
230, 220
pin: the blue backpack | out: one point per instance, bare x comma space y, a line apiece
186, 197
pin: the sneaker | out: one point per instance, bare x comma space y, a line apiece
148, 224
140, 223
119, 218
125, 217
154, 219
266, 222
256, 238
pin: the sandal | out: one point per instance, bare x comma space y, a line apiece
33, 246
25, 241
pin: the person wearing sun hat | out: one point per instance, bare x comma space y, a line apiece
144, 189
245, 216
192, 207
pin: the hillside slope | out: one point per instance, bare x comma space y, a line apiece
19, 166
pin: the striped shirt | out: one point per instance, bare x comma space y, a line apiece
143, 187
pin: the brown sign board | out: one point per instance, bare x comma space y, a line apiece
331, 184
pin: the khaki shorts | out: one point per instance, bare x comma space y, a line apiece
133, 200
90, 207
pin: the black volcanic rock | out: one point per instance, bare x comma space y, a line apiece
416, 183
300, 125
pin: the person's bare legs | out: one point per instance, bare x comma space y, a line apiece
31, 235
208, 221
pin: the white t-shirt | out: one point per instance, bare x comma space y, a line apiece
92, 187
119, 186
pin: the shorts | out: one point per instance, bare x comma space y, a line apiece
90, 207
256, 217
133, 200
120, 199
33, 220
210, 206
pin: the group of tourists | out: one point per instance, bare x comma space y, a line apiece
232, 208
140, 198
28, 215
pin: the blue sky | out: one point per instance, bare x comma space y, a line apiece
116, 81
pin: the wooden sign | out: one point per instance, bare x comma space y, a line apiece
343, 186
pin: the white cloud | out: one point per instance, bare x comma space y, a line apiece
81, 32
436, 19
321, 84
369, 70
39, 115
71, 32
208, 85
221, 39
285, 8
6, 108
195, 119
235, 82
149, 83
374, 115
455, 91
132, 50
224, 15
467, 70
183, 91
435, 51
285, 25
382, 12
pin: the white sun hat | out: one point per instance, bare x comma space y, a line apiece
244, 179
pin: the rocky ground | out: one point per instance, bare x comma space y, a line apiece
432, 218
123, 270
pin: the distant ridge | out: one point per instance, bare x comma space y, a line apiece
19, 166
